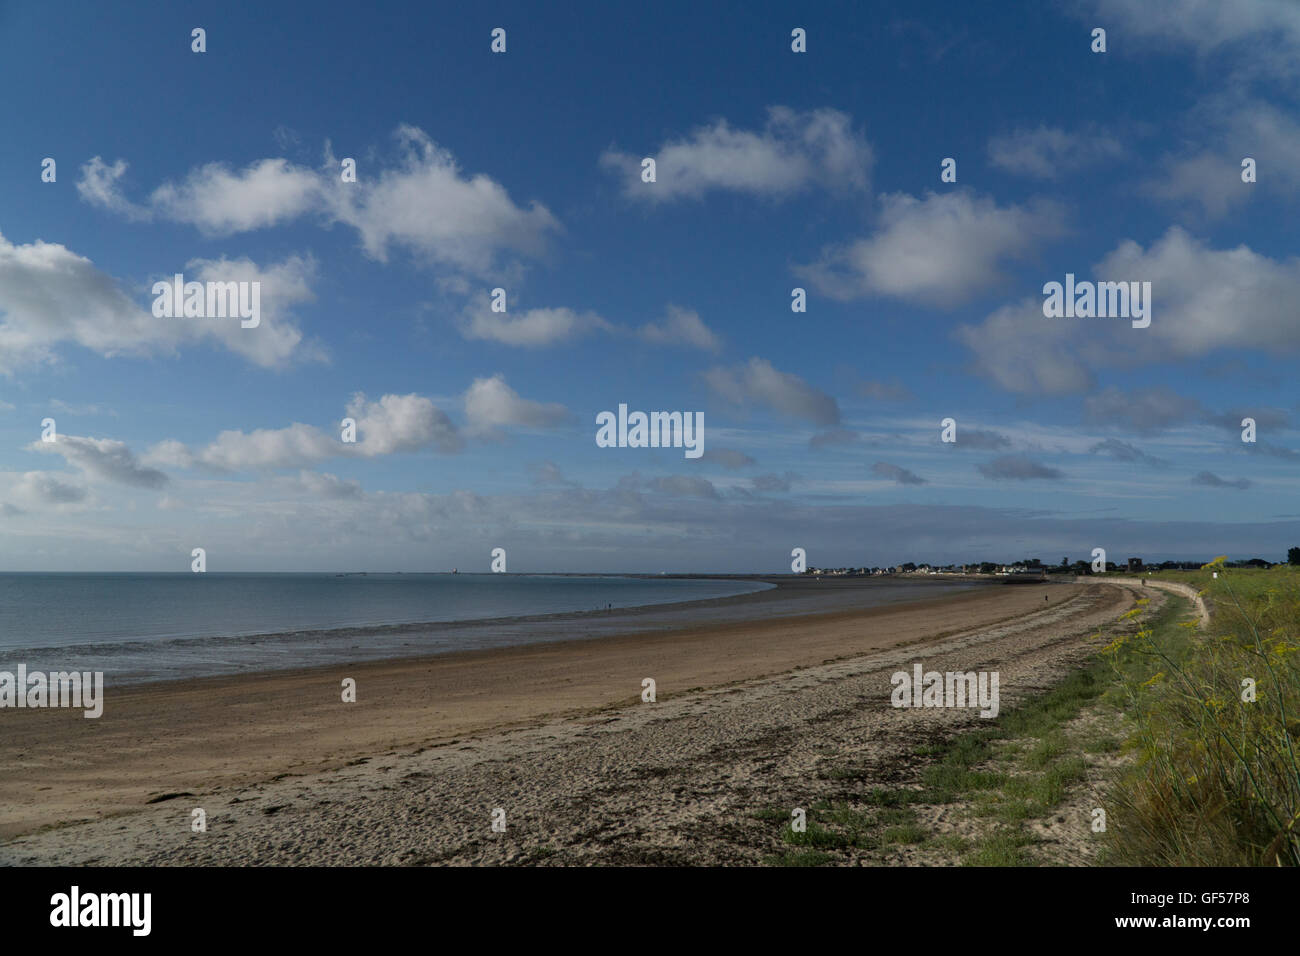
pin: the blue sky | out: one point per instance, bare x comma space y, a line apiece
520, 170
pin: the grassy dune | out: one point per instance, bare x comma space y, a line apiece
1216, 780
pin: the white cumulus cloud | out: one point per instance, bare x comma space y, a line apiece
940, 250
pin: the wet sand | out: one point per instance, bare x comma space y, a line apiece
214, 737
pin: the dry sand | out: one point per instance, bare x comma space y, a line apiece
555, 734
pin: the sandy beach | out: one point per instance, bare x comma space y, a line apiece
556, 734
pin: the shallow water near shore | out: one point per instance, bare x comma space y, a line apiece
146, 627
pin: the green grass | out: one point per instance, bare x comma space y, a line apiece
1216, 780
1102, 745
1212, 780
1249, 584
908, 834
950, 843
1016, 768
1004, 848
815, 836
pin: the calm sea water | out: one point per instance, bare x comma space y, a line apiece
157, 626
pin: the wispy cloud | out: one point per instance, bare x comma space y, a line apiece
759, 384
794, 151
896, 473
1018, 468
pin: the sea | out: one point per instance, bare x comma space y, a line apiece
136, 627
146, 627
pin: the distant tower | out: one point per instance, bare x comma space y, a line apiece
1135, 565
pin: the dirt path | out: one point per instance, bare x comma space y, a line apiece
670, 782
1186, 590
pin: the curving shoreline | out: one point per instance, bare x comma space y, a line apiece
136, 662
209, 737
671, 782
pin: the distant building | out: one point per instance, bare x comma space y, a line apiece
1135, 565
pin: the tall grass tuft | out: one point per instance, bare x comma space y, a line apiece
1217, 780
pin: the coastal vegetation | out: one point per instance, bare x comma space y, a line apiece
1215, 729
1174, 745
